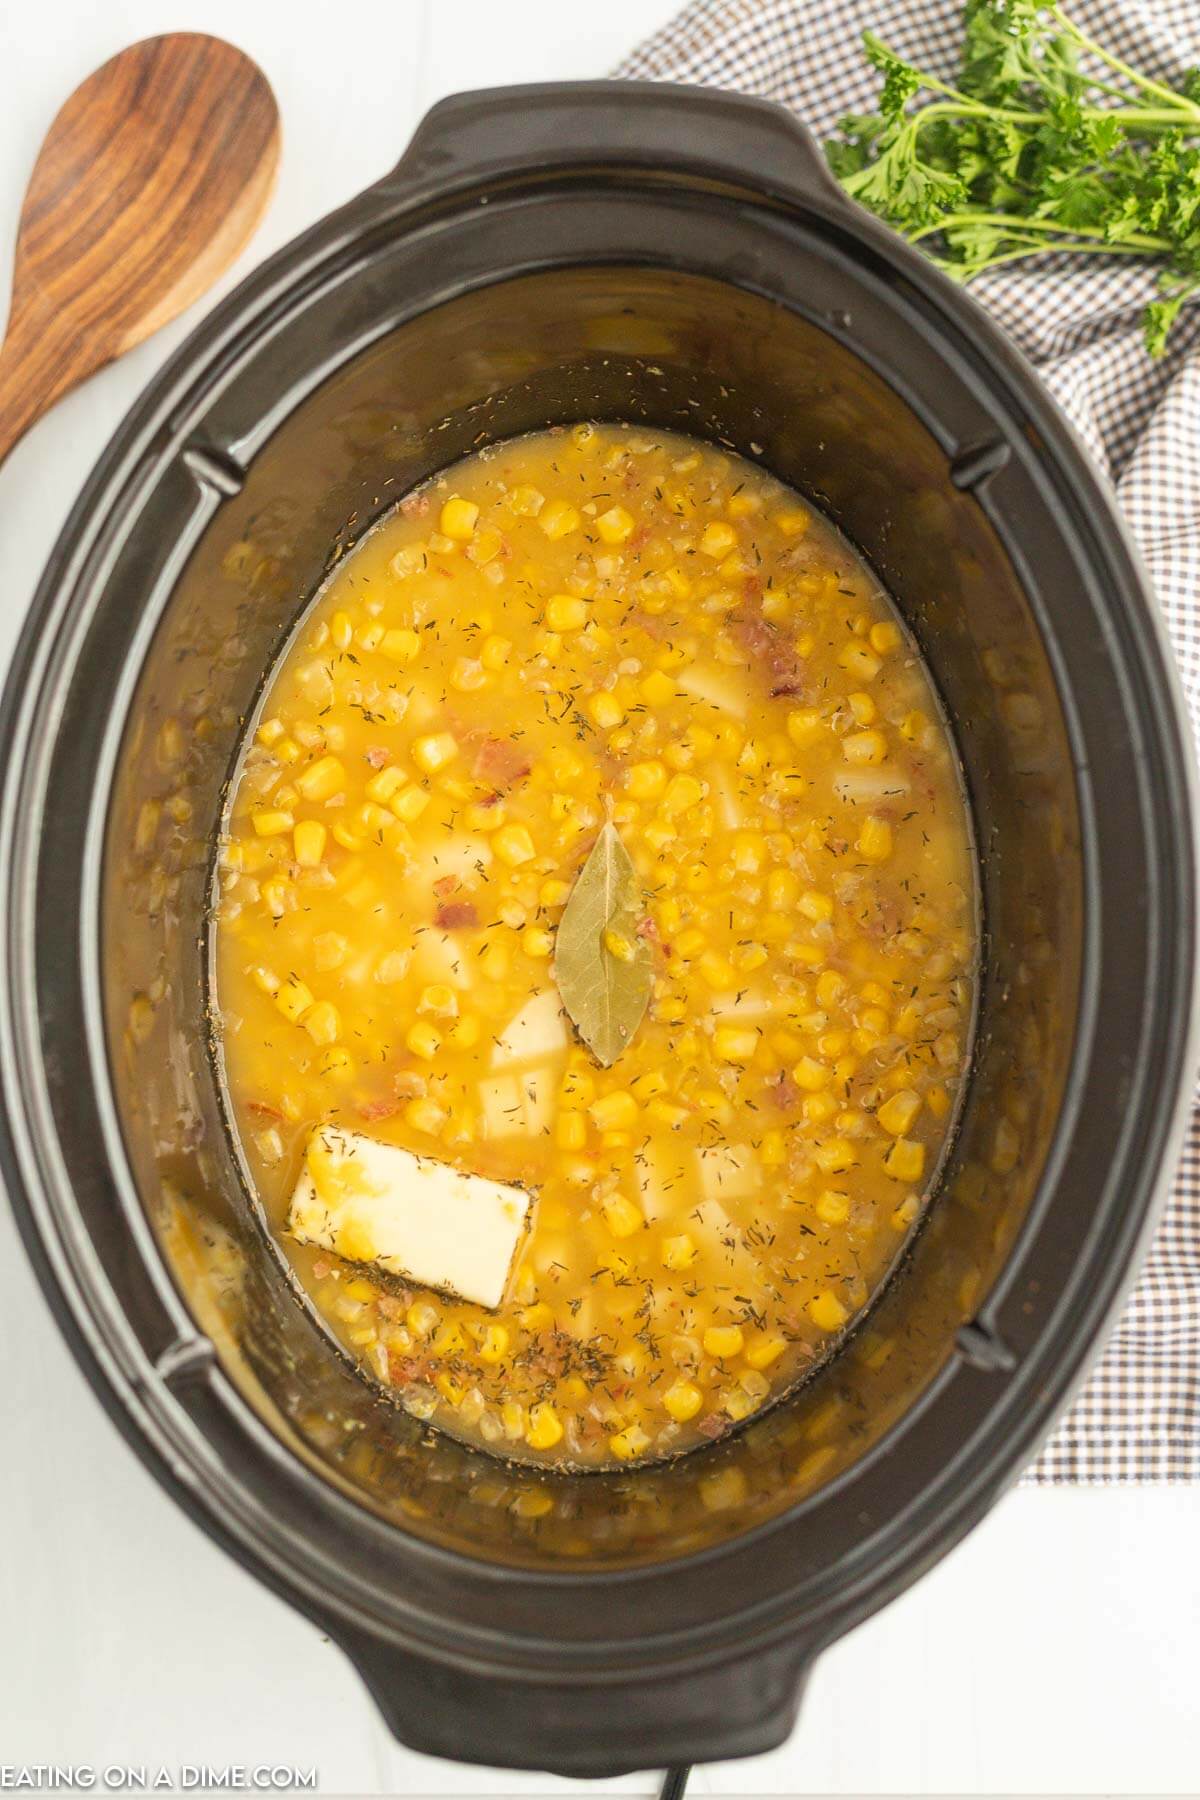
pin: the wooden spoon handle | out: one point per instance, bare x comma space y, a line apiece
35, 371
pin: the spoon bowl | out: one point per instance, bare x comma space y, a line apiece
150, 181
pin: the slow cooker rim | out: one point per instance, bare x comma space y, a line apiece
73, 546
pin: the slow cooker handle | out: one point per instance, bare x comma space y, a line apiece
608, 1723
660, 128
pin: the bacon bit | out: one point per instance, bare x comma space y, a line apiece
415, 506
378, 757
377, 1109
492, 799
655, 625
752, 586
322, 1267
394, 1306
882, 915
647, 928
638, 539
445, 884
768, 647
407, 1369
263, 1110
783, 1091
410, 1084
456, 915
713, 1425
500, 763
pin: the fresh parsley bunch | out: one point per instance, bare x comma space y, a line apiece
1047, 141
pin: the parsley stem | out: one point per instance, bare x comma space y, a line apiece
1144, 244
1178, 101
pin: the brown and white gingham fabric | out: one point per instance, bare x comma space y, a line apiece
1138, 1419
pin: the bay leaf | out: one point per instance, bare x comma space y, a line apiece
605, 995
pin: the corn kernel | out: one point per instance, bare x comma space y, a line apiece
627, 1444
723, 1341
811, 1075
605, 711
458, 518
512, 1418
426, 1116
646, 780
615, 1111
905, 1213
875, 840
827, 1312
309, 842
836, 1155
735, 1043
621, 1215
439, 1000
513, 845
898, 1113
615, 525
382, 786
859, 661
570, 1131
783, 889
566, 612
468, 675
683, 1400
717, 971
765, 1350
905, 1161
322, 779
423, 1039
864, 747
293, 999
682, 794
815, 906
434, 752
793, 521
335, 1061
885, 637
717, 539
494, 1345
558, 519
832, 1207
657, 688
400, 645
322, 1022
545, 1428
410, 804
272, 822
678, 1252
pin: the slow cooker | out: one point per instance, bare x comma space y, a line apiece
543, 255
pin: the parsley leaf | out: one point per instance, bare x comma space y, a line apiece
1046, 142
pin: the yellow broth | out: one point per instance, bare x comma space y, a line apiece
605, 623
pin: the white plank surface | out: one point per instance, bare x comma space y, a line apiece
1055, 1652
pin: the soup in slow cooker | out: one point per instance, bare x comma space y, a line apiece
594, 945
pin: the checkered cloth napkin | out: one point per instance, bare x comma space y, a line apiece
1138, 1418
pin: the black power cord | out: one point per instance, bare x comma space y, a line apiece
675, 1783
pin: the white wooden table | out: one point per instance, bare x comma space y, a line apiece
1056, 1652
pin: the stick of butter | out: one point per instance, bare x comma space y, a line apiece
420, 1220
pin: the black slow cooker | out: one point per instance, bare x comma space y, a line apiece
541, 255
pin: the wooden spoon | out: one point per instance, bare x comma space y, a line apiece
152, 178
